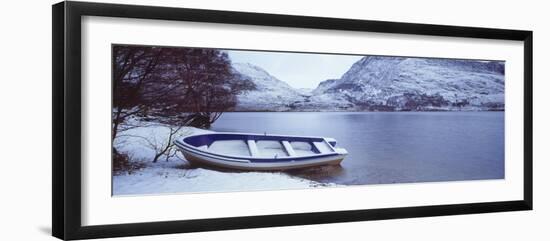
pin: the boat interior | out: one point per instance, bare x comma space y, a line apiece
260, 146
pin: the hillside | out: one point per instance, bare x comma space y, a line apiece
386, 84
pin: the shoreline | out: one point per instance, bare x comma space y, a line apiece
177, 176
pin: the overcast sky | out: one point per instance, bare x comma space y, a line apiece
297, 69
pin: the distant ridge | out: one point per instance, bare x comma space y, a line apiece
381, 83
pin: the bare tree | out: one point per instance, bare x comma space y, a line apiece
132, 69
207, 85
163, 146
172, 86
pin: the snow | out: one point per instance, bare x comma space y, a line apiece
230, 147
377, 79
322, 147
383, 80
271, 149
390, 81
136, 142
302, 148
177, 176
270, 94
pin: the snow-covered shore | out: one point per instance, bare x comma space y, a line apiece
177, 176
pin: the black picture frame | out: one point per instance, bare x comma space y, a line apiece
67, 136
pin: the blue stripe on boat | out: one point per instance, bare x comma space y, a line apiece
192, 143
208, 139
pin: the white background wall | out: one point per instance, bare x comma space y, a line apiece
25, 119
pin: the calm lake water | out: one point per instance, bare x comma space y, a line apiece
391, 147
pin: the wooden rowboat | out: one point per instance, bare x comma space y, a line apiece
260, 152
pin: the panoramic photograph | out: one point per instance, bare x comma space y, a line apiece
194, 120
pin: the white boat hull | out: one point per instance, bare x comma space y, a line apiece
249, 166
254, 152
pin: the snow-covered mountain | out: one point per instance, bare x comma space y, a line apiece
386, 83
271, 94
399, 83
